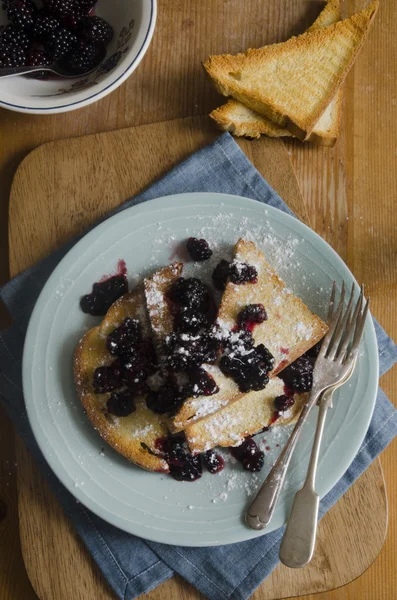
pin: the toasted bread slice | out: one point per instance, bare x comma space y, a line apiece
133, 436
242, 121
290, 329
160, 315
161, 319
247, 416
293, 82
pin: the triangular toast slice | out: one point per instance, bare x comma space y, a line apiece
247, 416
290, 329
293, 82
134, 436
242, 121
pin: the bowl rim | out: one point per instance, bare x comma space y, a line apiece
22, 108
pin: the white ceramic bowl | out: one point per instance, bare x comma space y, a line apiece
133, 22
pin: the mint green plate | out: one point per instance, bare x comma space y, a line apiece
209, 511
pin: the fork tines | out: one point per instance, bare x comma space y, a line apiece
346, 325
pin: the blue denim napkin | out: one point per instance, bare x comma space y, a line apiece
131, 565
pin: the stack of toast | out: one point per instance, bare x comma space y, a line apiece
226, 417
292, 88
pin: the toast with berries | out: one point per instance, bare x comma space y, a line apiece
120, 417
246, 417
287, 328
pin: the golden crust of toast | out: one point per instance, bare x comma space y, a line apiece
156, 288
247, 416
293, 82
290, 329
240, 120
124, 434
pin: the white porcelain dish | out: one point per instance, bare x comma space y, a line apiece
133, 23
208, 511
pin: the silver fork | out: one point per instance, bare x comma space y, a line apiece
337, 355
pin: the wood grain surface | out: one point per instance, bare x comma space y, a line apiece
349, 191
113, 173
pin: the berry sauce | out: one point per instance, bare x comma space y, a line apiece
103, 294
249, 455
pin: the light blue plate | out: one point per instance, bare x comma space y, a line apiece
209, 511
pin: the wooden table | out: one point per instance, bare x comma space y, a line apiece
351, 202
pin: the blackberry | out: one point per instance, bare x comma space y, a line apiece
103, 295
95, 30
121, 404
190, 293
250, 315
13, 36
238, 339
248, 367
213, 462
121, 341
198, 249
249, 455
84, 57
283, 403
72, 20
107, 379
186, 351
315, 350
201, 384
299, 375
86, 4
183, 466
22, 13
220, 275
138, 365
60, 42
38, 56
45, 24
242, 273
188, 320
11, 56
60, 7
167, 400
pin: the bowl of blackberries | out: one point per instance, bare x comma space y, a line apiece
97, 44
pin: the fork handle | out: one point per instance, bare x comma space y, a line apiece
297, 545
261, 510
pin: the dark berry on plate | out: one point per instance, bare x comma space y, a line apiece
185, 351
60, 7
213, 462
191, 293
220, 275
242, 273
22, 13
138, 365
84, 57
60, 42
249, 455
249, 367
45, 24
315, 350
283, 403
201, 383
241, 338
11, 56
250, 315
95, 29
103, 295
198, 249
189, 320
38, 56
121, 341
107, 379
121, 404
299, 375
167, 400
13, 36
183, 466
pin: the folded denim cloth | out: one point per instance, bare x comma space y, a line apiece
131, 565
